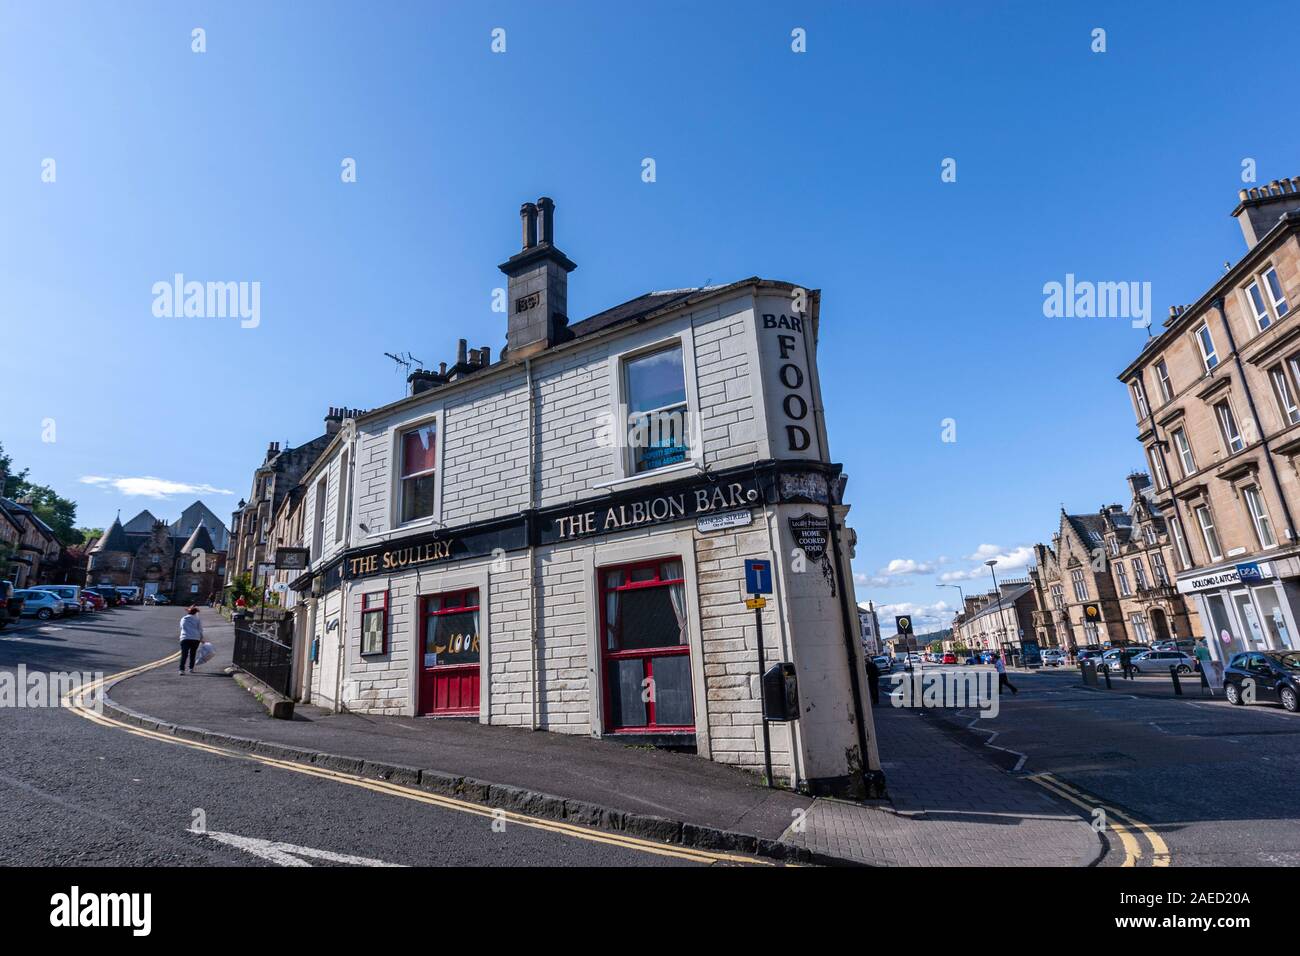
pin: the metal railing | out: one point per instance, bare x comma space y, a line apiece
267, 659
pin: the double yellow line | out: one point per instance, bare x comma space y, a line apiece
76, 701
1133, 848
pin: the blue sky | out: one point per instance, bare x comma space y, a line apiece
821, 168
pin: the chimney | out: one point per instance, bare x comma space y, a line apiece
1261, 207
1138, 481
539, 285
333, 421
423, 379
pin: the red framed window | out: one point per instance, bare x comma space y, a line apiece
646, 657
419, 465
374, 623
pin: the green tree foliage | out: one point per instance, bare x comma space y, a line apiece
56, 511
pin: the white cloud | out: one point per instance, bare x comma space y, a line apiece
148, 487
1014, 559
906, 566
925, 617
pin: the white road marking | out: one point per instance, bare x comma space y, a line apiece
289, 854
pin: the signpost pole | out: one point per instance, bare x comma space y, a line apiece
762, 669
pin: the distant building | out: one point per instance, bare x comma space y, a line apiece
34, 548
158, 558
870, 622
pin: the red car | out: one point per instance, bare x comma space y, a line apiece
96, 602
950, 658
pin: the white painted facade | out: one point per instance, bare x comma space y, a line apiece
523, 436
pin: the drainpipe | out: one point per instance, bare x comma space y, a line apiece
535, 631
1259, 429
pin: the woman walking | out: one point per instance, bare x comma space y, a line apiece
1002, 674
191, 637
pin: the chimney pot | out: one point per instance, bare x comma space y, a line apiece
546, 220
442, 368
1242, 195
460, 351
528, 217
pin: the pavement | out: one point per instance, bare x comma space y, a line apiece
948, 804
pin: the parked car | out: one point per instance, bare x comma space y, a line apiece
41, 605
950, 658
109, 594
1187, 647
1114, 658
92, 600
1052, 657
883, 662
1159, 662
1089, 654
70, 594
11, 605
157, 599
131, 595
1271, 674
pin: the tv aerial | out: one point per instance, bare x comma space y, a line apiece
405, 361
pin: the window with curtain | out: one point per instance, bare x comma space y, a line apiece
658, 421
419, 460
645, 647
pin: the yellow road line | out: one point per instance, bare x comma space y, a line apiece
74, 699
1159, 849
1089, 802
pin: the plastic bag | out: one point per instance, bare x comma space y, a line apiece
206, 650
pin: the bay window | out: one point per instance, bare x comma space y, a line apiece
418, 471
644, 648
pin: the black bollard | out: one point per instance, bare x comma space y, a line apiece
1178, 687
1106, 674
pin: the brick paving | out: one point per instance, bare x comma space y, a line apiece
948, 807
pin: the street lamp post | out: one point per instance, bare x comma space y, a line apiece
998, 594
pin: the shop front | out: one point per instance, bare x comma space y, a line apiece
1248, 606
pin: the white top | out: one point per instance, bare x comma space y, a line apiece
191, 628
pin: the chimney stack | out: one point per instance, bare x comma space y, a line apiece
1260, 207
538, 286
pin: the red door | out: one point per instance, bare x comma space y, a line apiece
449, 669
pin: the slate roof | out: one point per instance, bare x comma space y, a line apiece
632, 310
114, 539
1008, 601
199, 539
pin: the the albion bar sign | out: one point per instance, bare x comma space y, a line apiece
640, 511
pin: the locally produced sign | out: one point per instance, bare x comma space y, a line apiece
811, 534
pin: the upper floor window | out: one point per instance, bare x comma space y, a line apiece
1228, 426
1185, 458
1158, 565
1180, 543
419, 459
1259, 517
1162, 376
1209, 356
1208, 533
1275, 292
1139, 574
1140, 398
1113, 543
1158, 468
1080, 586
1285, 396
1256, 299
1058, 597
318, 533
1124, 589
658, 420
1149, 532
341, 499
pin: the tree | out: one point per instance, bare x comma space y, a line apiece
243, 587
58, 512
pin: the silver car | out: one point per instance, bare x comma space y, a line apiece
1159, 662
